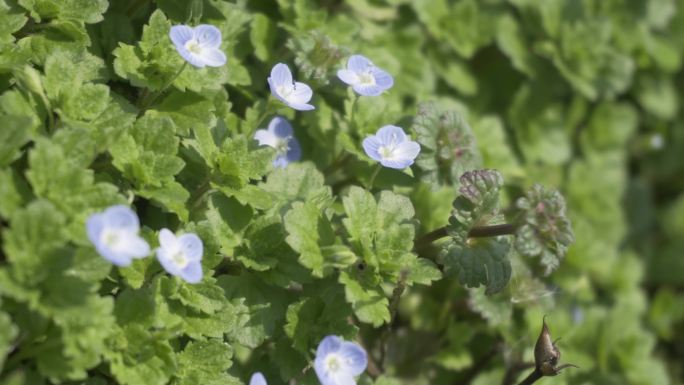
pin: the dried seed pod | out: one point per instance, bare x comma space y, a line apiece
547, 354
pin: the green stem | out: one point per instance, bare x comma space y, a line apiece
372, 178
394, 305
29, 352
145, 104
270, 108
338, 162
353, 111
199, 193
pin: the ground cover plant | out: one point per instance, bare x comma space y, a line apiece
339, 192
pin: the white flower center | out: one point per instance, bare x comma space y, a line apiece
333, 363
387, 152
112, 238
178, 259
193, 46
366, 78
285, 90
282, 146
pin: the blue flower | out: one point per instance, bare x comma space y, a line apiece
181, 256
114, 233
391, 147
294, 94
279, 135
338, 361
364, 77
199, 46
257, 379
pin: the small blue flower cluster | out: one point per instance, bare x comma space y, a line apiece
200, 46
114, 232
337, 362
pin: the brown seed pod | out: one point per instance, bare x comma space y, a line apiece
547, 354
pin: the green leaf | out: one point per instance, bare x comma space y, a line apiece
262, 35
478, 204
82, 10
67, 70
544, 229
239, 162
8, 332
658, 96
310, 233
448, 147
15, 133
361, 222
477, 261
37, 231
263, 243
68, 186
11, 20
315, 55
299, 181
13, 192
86, 102
138, 356
263, 307
368, 300
309, 320
511, 40
205, 362
188, 111
482, 262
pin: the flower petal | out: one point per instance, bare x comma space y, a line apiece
280, 75
301, 95
274, 90
134, 246
382, 79
194, 59
207, 36
295, 151
213, 57
407, 150
121, 216
180, 34
343, 378
164, 258
257, 379
280, 127
192, 273
368, 89
391, 135
167, 239
192, 246
118, 259
94, 227
398, 164
354, 357
266, 138
358, 63
329, 344
348, 76
371, 145
301, 106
